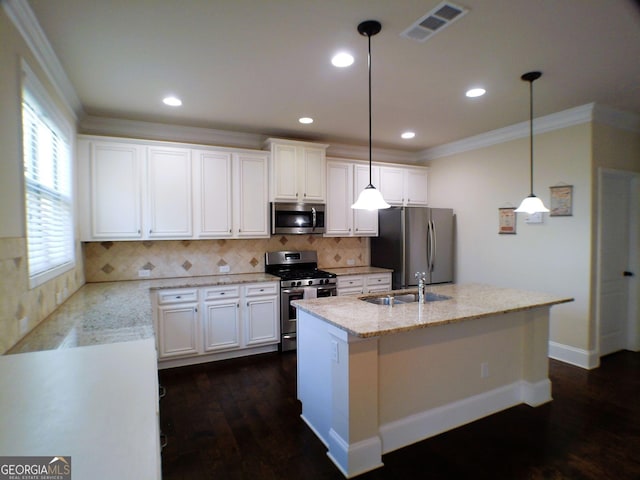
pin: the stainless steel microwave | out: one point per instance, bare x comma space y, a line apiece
297, 218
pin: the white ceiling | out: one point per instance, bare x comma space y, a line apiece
257, 66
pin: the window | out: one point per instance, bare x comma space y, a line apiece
48, 188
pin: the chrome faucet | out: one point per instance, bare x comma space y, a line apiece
421, 286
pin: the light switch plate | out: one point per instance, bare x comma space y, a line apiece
224, 269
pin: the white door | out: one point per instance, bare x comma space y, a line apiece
252, 201
115, 173
338, 221
616, 227
261, 321
212, 194
178, 330
313, 173
221, 325
170, 193
365, 222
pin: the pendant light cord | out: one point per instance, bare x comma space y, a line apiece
370, 129
531, 136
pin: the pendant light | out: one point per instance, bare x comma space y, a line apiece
370, 198
531, 204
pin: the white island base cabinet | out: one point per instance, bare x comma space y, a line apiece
365, 397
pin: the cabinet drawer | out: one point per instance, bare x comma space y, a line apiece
225, 291
270, 288
378, 279
350, 281
177, 296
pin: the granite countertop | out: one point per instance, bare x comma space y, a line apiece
111, 312
467, 302
357, 270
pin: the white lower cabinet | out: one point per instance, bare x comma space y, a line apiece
360, 284
178, 325
209, 323
221, 318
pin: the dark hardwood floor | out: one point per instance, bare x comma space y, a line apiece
239, 419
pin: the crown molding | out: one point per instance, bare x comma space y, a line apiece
548, 123
357, 152
117, 127
25, 21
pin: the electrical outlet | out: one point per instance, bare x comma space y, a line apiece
351, 262
144, 273
23, 325
334, 351
484, 369
224, 268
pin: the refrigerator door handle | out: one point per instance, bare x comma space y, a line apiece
432, 245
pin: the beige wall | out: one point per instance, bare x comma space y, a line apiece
17, 301
554, 256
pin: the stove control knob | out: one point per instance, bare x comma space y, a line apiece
297, 284
310, 282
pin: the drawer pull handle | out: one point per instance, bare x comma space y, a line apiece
178, 297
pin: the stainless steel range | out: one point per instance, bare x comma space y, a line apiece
299, 278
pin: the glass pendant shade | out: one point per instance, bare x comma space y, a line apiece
370, 199
532, 204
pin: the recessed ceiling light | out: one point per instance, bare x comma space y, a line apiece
342, 59
408, 135
172, 101
305, 120
475, 92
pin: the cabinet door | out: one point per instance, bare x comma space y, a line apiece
392, 185
312, 174
339, 198
416, 187
261, 321
365, 222
169, 180
212, 194
285, 173
178, 327
221, 325
115, 176
252, 206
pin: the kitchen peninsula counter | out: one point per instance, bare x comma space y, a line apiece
363, 270
112, 312
375, 378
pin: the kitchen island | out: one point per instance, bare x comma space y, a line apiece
375, 378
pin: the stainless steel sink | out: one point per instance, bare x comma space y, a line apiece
405, 298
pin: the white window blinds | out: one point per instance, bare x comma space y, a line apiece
48, 189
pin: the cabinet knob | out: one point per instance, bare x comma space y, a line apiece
356, 229
178, 296
150, 231
138, 231
305, 194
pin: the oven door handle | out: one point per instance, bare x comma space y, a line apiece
292, 290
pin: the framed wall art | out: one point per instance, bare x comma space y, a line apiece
561, 204
507, 220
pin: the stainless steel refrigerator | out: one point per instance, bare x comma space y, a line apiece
414, 239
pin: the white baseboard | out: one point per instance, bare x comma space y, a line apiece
588, 359
355, 458
417, 427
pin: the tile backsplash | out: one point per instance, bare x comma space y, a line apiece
111, 261
21, 307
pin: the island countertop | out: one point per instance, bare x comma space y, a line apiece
467, 302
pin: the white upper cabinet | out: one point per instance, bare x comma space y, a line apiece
110, 191
402, 185
297, 171
212, 194
169, 181
231, 194
251, 210
138, 190
345, 181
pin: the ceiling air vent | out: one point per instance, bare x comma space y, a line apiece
437, 19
